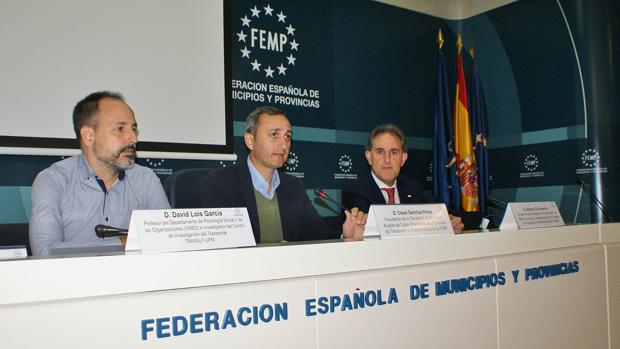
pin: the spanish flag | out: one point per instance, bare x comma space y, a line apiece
465, 158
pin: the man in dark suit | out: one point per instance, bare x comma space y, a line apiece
386, 153
277, 203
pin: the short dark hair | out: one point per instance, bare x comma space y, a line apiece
251, 122
387, 128
85, 111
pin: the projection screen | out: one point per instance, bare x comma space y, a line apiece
168, 58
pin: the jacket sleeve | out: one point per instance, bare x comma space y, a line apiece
351, 198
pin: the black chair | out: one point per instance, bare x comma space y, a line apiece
15, 235
183, 187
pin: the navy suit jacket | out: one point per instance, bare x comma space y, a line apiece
364, 191
232, 187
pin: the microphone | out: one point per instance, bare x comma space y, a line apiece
106, 231
593, 197
323, 195
496, 203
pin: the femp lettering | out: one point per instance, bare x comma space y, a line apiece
268, 40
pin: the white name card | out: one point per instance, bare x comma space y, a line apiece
392, 221
370, 229
153, 231
525, 215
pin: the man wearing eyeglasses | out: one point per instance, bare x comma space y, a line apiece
102, 185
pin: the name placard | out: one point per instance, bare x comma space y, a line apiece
525, 215
152, 231
13, 252
393, 221
370, 229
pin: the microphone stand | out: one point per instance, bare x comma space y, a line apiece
323, 195
593, 197
497, 204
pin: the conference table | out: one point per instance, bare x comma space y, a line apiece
553, 287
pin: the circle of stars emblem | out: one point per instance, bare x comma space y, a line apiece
224, 163
155, 164
292, 162
590, 158
531, 163
244, 38
345, 163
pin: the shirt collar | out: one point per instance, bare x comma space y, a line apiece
260, 184
87, 173
380, 183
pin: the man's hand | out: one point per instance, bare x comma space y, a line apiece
457, 224
353, 226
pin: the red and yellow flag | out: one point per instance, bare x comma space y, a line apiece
465, 157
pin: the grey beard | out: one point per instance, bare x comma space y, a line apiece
115, 163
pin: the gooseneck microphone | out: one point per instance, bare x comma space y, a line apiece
593, 197
323, 195
106, 231
496, 203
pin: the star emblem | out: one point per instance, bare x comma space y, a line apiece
241, 36
294, 45
255, 12
246, 21
268, 10
269, 72
290, 30
251, 19
245, 52
291, 59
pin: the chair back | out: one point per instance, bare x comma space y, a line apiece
184, 187
15, 235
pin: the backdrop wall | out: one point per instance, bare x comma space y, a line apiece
338, 68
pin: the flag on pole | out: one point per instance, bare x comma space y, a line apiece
480, 135
463, 147
445, 184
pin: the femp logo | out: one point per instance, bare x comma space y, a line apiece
590, 158
157, 167
531, 163
345, 166
292, 164
227, 163
591, 162
268, 46
267, 42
